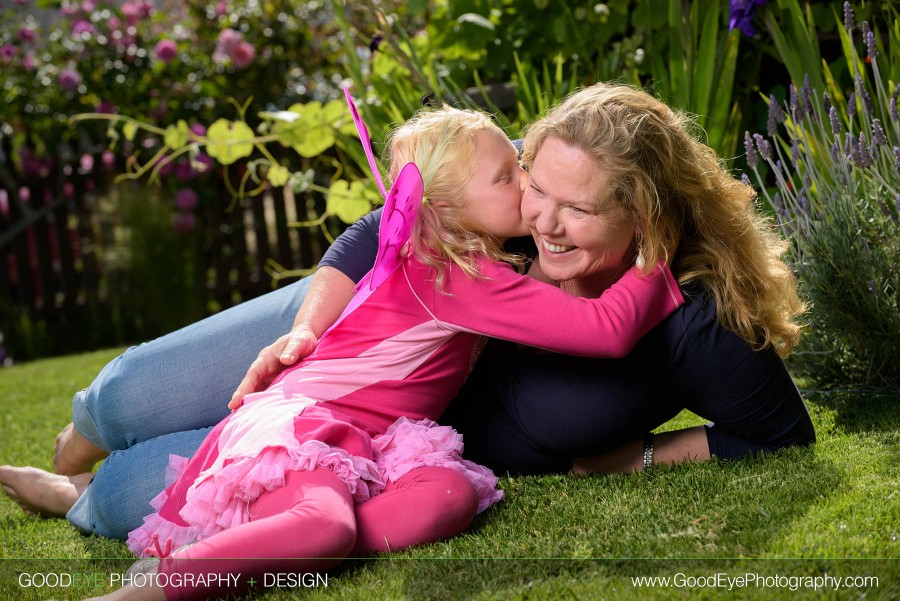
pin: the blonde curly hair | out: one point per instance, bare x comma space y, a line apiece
687, 209
441, 142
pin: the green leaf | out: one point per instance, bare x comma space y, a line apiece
177, 135
476, 19
705, 62
312, 133
227, 141
278, 175
129, 130
350, 201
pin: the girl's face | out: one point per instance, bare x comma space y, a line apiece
580, 230
493, 195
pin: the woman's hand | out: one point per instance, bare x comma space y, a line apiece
272, 360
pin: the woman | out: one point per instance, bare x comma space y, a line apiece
615, 179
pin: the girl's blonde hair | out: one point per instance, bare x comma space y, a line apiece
442, 145
685, 206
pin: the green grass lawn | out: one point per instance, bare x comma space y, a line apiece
833, 509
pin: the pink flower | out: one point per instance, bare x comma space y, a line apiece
82, 26
202, 163
26, 34
28, 63
106, 107
166, 50
134, 11
7, 53
108, 159
243, 55
198, 129
183, 173
184, 223
228, 41
185, 199
69, 79
166, 167
88, 6
221, 9
86, 163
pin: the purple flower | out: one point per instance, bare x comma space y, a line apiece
871, 48
8, 52
741, 14
826, 103
69, 79
795, 152
752, 159
848, 16
776, 116
763, 146
166, 50
198, 130
183, 172
863, 94
106, 107
897, 158
895, 115
28, 62
185, 199
861, 155
835, 124
851, 105
184, 223
745, 179
872, 288
806, 98
878, 133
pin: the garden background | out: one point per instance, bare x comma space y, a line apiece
160, 161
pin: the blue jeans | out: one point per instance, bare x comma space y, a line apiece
161, 398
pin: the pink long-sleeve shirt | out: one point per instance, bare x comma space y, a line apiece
407, 348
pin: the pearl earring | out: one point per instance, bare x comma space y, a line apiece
639, 261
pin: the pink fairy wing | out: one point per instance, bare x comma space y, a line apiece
366, 141
400, 211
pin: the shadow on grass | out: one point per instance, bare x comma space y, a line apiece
861, 410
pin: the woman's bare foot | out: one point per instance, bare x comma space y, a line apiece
41, 493
74, 454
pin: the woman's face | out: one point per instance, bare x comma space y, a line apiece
493, 194
579, 229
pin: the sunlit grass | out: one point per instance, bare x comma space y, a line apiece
832, 509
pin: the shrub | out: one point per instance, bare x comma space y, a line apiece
835, 160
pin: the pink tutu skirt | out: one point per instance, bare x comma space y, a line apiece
249, 453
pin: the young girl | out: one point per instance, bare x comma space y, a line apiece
279, 478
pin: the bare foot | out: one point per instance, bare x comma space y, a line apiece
42, 493
74, 454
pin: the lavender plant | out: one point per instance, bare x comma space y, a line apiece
835, 165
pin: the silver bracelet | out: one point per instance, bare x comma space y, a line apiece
648, 451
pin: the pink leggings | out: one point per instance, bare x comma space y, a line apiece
311, 524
